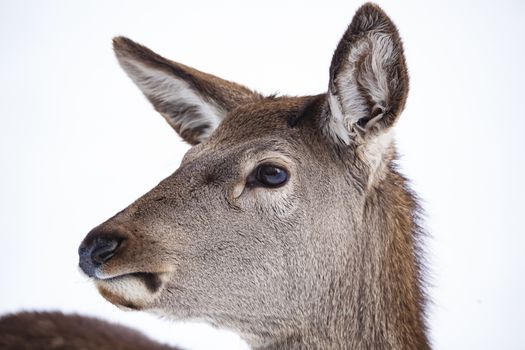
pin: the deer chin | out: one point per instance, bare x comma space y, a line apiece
132, 291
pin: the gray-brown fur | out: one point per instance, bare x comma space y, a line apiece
329, 260
56, 331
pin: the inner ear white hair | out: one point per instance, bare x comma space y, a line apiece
192, 102
182, 107
368, 78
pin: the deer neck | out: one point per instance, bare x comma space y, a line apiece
377, 303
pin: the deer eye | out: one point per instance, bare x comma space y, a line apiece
266, 175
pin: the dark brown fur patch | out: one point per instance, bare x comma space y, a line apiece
54, 330
151, 280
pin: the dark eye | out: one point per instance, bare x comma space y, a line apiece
268, 176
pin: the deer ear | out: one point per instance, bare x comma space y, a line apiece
368, 77
192, 102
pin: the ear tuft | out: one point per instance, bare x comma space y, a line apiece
368, 77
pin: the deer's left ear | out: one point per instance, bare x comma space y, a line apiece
192, 102
368, 78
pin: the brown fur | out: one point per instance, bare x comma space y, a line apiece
223, 92
54, 330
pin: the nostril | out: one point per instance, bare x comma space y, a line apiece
104, 249
96, 250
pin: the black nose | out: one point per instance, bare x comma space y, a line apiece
95, 251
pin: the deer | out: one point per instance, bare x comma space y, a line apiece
287, 221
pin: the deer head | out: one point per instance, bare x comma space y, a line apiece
286, 221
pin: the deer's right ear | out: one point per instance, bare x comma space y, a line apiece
193, 102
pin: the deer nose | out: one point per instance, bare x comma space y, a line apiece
93, 252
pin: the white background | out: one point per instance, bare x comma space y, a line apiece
78, 142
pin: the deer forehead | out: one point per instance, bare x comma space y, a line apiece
254, 131
268, 117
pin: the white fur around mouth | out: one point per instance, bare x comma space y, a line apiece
102, 276
153, 281
133, 290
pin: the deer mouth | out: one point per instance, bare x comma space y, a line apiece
152, 281
135, 291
